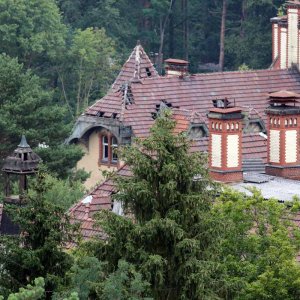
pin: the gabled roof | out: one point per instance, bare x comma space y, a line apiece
100, 198
196, 92
137, 67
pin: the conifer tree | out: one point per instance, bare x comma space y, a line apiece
173, 238
39, 251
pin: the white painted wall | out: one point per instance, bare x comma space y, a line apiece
292, 36
216, 155
275, 41
291, 146
233, 151
283, 43
274, 146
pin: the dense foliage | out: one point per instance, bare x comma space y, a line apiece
183, 28
39, 250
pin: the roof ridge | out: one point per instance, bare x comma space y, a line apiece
225, 73
131, 69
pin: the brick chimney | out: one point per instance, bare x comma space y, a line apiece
225, 142
283, 135
176, 67
286, 37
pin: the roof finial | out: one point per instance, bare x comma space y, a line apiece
23, 143
138, 43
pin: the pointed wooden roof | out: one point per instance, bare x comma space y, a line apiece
137, 67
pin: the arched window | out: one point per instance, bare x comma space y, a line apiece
105, 148
108, 145
114, 146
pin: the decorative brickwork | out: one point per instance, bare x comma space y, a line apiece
283, 141
286, 172
225, 144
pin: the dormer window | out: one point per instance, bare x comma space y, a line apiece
221, 103
256, 126
198, 131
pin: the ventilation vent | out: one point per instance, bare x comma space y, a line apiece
221, 103
149, 74
127, 94
161, 107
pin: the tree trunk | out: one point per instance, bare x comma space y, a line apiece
222, 36
78, 105
243, 18
171, 35
185, 29
162, 26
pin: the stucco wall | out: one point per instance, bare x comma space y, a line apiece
90, 161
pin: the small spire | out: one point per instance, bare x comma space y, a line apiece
138, 43
23, 143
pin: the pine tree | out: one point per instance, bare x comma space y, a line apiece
39, 251
173, 238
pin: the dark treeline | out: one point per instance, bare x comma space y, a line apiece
188, 29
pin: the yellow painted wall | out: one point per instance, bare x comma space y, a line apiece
90, 161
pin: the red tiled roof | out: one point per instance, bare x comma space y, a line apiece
137, 67
83, 211
196, 92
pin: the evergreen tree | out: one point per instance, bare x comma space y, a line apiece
173, 239
89, 280
31, 292
39, 250
27, 108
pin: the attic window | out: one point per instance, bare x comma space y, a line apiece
127, 94
148, 72
100, 114
163, 105
114, 115
255, 126
198, 131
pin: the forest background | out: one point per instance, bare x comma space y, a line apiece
58, 57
